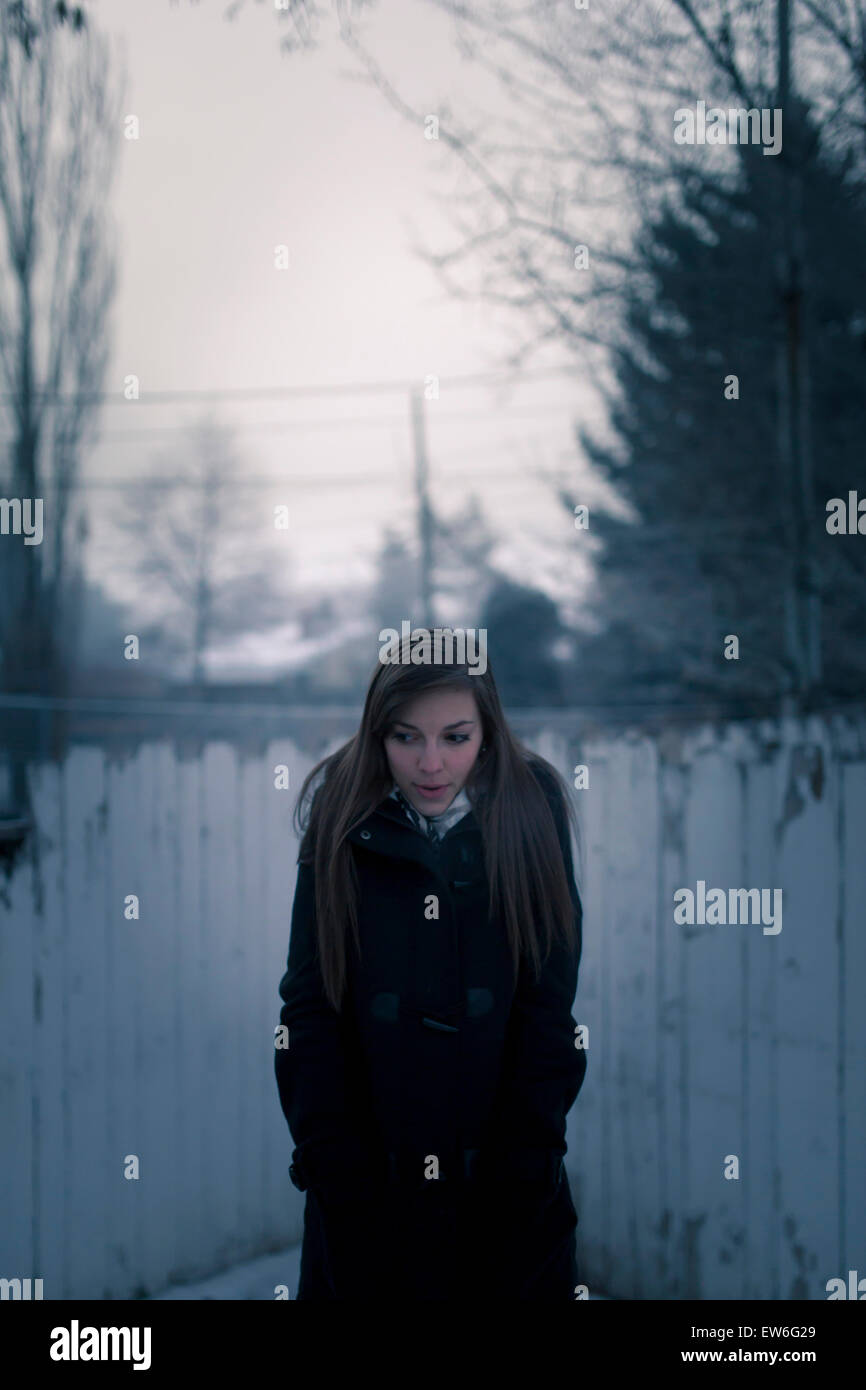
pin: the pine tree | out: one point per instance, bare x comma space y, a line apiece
709, 554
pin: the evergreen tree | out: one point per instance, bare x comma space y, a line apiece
710, 552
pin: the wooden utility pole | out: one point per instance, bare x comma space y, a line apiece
425, 513
794, 418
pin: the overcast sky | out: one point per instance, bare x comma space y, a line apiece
243, 147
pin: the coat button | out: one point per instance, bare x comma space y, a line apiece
385, 1007
366, 835
478, 1002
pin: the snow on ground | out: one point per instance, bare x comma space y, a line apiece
254, 1279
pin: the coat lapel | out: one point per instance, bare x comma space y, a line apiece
388, 831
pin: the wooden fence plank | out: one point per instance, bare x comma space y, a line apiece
596, 1097
759, 1071
86, 1158
190, 1010
43, 894
714, 1213
221, 923
585, 1152
806, 953
125, 1133
21, 1155
852, 1029
672, 995
285, 1203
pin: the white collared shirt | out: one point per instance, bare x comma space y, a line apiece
460, 807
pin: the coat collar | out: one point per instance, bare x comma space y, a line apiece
388, 830
451, 816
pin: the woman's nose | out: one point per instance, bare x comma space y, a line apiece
431, 759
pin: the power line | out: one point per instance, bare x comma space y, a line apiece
250, 480
319, 480
287, 426
259, 393
380, 422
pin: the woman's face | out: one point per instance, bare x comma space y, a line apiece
432, 747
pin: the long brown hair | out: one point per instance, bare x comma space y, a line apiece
522, 855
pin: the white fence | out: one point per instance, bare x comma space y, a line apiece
154, 1037
710, 1041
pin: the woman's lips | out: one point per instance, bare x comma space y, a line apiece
431, 791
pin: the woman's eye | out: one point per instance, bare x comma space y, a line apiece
404, 738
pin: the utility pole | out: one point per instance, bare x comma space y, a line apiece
795, 444
425, 513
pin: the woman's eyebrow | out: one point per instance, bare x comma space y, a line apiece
456, 725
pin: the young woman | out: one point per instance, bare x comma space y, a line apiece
432, 967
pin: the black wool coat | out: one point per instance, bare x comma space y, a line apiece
428, 1114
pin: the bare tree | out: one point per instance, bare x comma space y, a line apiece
560, 179
196, 541
835, 32
59, 132
582, 150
